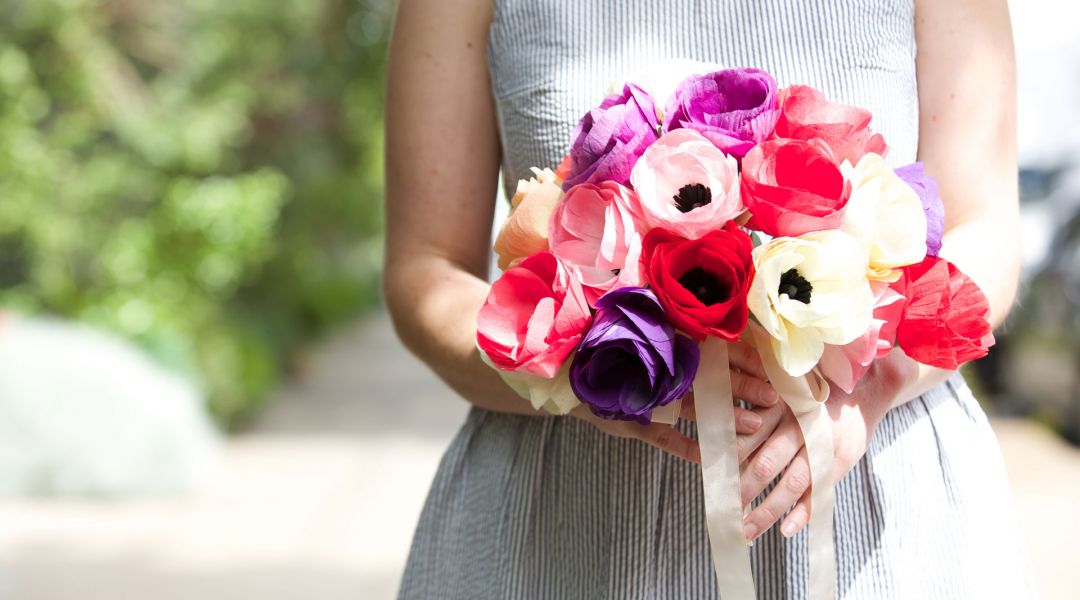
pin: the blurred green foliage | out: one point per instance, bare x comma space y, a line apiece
201, 176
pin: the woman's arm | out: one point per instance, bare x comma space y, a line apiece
442, 163
967, 140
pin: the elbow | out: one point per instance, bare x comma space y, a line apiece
398, 303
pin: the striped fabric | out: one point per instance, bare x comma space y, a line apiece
548, 507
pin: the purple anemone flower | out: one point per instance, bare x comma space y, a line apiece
926, 188
735, 109
631, 360
611, 137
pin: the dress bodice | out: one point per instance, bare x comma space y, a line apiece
552, 60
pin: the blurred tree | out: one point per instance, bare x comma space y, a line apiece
201, 176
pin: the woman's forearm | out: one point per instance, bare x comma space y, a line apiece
433, 304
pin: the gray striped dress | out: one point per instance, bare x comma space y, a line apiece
549, 507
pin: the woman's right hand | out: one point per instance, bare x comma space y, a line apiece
748, 382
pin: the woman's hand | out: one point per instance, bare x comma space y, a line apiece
748, 382
779, 449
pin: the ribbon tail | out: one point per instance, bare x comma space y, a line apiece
715, 415
667, 414
817, 431
806, 397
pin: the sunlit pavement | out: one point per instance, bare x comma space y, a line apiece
319, 498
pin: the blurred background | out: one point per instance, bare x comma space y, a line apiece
200, 396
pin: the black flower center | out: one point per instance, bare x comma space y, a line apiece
704, 286
795, 286
694, 195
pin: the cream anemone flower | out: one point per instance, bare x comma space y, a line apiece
809, 291
553, 395
885, 216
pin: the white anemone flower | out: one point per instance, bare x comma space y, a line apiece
809, 291
885, 216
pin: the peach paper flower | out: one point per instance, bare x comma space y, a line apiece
526, 229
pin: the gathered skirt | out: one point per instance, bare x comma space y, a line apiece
550, 507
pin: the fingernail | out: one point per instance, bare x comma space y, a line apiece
746, 511
750, 420
789, 529
771, 397
750, 531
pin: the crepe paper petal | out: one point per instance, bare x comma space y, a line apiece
686, 184
701, 283
809, 291
926, 188
735, 109
792, 187
845, 365
632, 361
945, 321
885, 216
610, 138
595, 231
533, 318
525, 231
806, 114
552, 395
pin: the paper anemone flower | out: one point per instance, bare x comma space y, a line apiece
631, 361
792, 187
701, 283
734, 108
525, 231
926, 189
533, 317
594, 231
805, 114
945, 321
885, 216
610, 138
810, 291
685, 184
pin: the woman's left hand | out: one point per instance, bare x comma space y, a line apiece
854, 418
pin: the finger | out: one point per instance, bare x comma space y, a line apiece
747, 444
687, 410
798, 517
775, 454
743, 356
758, 392
792, 486
670, 440
746, 421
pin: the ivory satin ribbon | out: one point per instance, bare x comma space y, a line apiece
720, 467
715, 416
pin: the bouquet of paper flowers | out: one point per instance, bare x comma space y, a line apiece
712, 207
